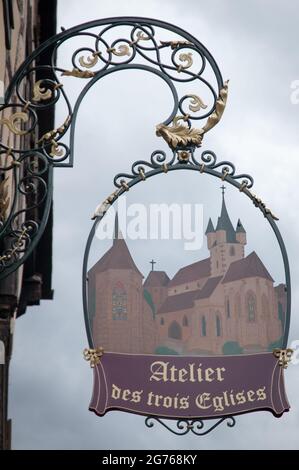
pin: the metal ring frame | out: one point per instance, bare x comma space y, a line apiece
140, 46
142, 170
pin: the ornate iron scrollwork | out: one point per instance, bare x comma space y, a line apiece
107, 46
195, 426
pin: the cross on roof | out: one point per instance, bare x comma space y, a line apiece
152, 263
223, 189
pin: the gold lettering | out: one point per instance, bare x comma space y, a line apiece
126, 395
159, 371
219, 370
250, 395
209, 374
116, 392
182, 373
261, 395
201, 400
240, 398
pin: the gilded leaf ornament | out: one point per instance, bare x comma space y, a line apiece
89, 61
180, 135
219, 109
185, 57
122, 50
41, 93
78, 73
175, 44
15, 118
196, 103
4, 199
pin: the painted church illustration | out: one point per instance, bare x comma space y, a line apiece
224, 304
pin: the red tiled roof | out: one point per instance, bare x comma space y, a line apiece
156, 279
192, 272
251, 266
178, 302
209, 287
173, 303
117, 257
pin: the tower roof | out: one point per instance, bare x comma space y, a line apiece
156, 279
210, 227
118, 256
240, 228
224, 223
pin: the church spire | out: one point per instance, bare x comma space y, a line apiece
224, 222
117, 233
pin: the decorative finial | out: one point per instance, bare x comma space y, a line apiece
152, 263
223, 189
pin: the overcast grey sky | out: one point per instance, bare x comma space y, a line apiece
255, 46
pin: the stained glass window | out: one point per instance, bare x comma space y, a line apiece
119, 302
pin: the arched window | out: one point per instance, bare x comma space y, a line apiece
119, 302
175, 331
203, 326
232, 251
218, 326
251, 307
185, 321
238, 312
265, 306
162, 321
227, 307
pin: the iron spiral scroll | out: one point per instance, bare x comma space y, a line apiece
194, 426
107, 46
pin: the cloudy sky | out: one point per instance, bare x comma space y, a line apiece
255, 46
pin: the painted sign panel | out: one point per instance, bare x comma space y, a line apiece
188, 387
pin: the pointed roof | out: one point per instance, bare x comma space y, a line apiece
224, 223
118, 256
192, 272
210, 227
240, 227
251, 266
156, 279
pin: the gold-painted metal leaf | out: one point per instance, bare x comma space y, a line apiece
196, 103
186, 57
13, 120
219, 109
141, 36
179, 135
4, 199
122, 50
78, 73
40, 93
175, 44
89, 62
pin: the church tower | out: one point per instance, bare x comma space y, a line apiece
116, 299
225, 243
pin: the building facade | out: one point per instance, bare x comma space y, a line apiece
24, 24
224, 304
